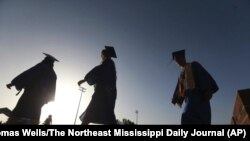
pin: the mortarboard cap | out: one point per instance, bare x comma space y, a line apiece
111, 51
50, 57
180, 53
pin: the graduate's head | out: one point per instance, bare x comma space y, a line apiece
49, 59
179, 57
50, 116
108, 52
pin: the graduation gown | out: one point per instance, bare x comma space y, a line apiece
197, 95
39, 84
102, 105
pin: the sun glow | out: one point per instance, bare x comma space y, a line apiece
64, 108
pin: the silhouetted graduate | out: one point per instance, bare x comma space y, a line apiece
39, 84
48, 120
195, 86
103, 77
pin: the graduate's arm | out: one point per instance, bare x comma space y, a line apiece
81, 81
9, 85
205, 81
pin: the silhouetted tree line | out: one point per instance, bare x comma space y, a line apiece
125, 122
